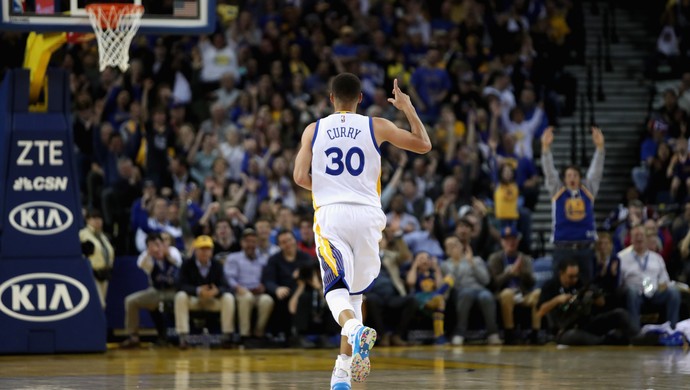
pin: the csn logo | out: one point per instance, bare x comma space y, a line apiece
40, 183
41, 218
42, 297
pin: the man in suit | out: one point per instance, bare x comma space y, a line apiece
202, 286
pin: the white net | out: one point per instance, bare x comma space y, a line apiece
115, 27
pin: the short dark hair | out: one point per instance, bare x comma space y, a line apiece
563, 265
285, 231
153, 237
94, 213
222, 220
466, 222
346, 87
574, 167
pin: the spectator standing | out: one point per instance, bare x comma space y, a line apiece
218, 58
157, 222
426, 240
572, 204
430, 86
224, 241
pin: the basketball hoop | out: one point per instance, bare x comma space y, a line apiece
115, 26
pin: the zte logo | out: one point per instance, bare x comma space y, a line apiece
42, 297
40, 152
41, 218
40, 183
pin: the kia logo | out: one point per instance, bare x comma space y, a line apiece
42, 297
41, 218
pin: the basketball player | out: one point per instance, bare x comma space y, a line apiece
340, 162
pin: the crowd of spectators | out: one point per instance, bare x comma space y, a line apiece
660, 194
189, 156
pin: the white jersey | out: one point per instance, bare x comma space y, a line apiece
346, 161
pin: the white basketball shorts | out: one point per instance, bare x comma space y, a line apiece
347, 245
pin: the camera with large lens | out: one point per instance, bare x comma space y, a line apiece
579, 307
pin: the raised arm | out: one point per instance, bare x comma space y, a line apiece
553, 183
596, 167
533, 124
392, 187
303, 160
417, 140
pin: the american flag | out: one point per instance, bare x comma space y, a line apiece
185, 8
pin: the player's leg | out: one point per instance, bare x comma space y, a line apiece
338, 299
363, 237
335, 260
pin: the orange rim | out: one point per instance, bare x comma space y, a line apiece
109, 14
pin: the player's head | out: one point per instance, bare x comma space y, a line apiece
346, 90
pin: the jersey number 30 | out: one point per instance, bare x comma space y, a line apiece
336, 156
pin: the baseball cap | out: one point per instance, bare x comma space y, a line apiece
248, 232
510, 231
203, 242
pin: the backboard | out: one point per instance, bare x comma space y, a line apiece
160, 16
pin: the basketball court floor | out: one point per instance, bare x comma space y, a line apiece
473, 367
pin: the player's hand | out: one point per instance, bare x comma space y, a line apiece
400, 99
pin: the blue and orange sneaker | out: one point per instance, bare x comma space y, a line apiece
364, 339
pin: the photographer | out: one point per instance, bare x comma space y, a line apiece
572, 310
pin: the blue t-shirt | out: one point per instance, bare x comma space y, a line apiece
429, 82
648, 149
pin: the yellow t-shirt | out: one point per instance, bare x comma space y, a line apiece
442, 134
506, 201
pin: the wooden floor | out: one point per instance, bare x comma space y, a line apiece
475, 367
